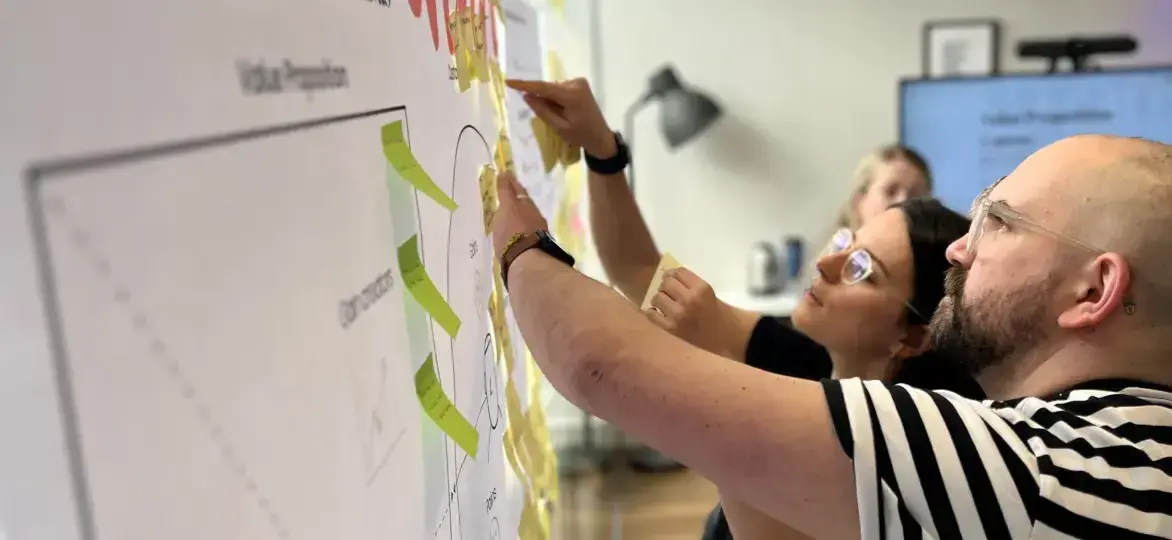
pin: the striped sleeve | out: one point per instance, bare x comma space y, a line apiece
932, 464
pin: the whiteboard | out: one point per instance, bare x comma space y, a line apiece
210, 326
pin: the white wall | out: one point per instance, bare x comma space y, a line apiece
809, 87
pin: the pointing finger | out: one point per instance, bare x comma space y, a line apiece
543, 89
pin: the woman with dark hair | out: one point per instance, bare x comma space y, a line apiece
865, 315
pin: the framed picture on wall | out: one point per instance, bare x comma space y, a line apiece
961, 48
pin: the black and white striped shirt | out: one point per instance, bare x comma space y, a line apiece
1092, 462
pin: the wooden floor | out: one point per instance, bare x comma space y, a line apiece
628, 505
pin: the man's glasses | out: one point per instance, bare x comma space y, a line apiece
859, 264
1002, 215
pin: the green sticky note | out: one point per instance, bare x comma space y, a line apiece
400, 157
422, 289
442, 411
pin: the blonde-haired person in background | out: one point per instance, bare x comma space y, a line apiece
887, 176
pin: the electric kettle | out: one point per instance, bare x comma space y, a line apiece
764, 270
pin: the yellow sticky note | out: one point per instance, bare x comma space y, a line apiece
479, 50
666, 263
463, 69
513, 405
533, 448
546, 141
442, 411
569, 154
400, 157
507, 349
530, 526
503, 157
488, 196
547, 477
498, 93
556, 71
511, 455
416, 280
467, 30
460, 57
498, 79
535, 377
501, 330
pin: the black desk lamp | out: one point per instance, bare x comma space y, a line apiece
683, 113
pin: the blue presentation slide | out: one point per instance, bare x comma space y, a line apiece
975, 131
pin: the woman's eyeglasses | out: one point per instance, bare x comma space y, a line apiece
859, 264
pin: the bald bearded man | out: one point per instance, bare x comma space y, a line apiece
1057, 302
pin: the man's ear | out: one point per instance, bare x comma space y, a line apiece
1099, 290
914, 343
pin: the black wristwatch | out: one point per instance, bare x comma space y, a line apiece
614, 164
520, 243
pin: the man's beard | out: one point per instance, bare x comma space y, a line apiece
991, 329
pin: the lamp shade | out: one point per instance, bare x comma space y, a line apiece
684, 114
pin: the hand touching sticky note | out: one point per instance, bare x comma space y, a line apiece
416, 280
666, 263
399, 155
442, 411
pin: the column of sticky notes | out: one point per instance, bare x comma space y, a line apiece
528, 448
435, 403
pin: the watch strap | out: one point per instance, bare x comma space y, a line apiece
518, 244
614, 164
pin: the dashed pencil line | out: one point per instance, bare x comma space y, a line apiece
158, 348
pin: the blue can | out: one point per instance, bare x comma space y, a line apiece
794, 257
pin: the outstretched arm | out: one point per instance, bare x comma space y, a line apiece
621, 236
766, 439
625, 247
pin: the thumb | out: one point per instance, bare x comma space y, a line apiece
505, 191
517, 187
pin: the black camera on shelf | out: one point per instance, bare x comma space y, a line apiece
1077, 49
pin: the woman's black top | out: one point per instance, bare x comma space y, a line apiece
777, 347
